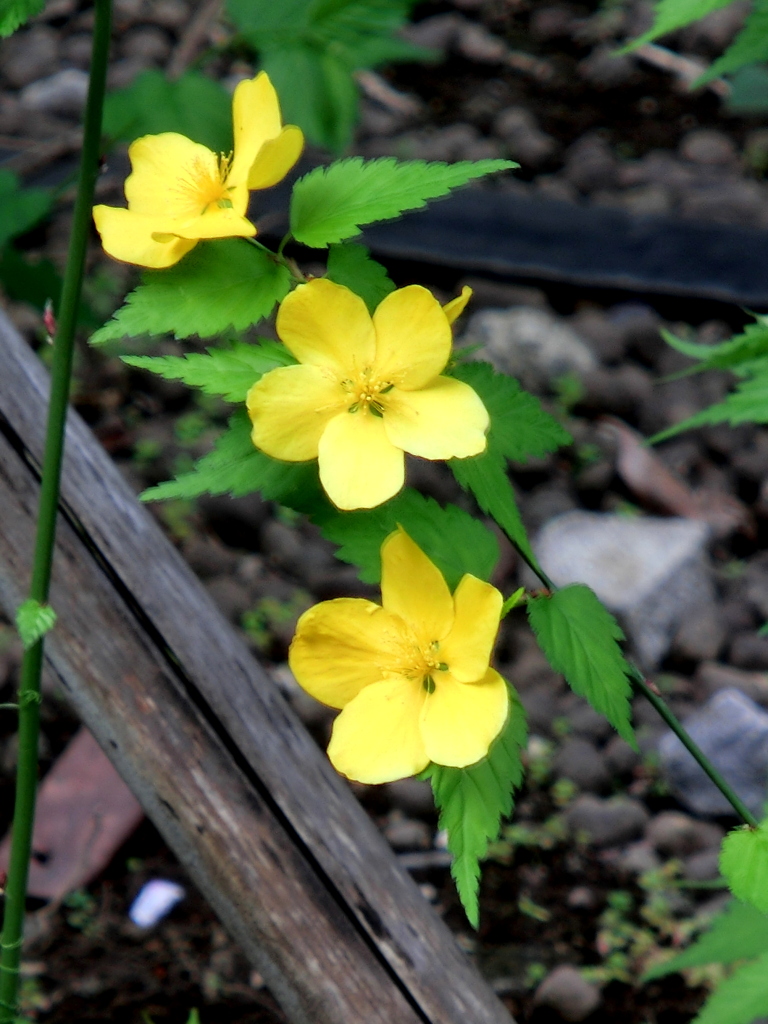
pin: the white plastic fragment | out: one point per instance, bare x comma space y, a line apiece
155, 900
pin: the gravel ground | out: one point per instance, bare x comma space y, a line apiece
589, 874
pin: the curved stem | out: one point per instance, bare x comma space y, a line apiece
29, 688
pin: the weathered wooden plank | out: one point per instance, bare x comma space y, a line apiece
218, 673
239, 853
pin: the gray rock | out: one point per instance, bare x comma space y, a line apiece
714, 677
76, 49
29, 55
726, 202
231, 597
435, 33
412, 796
604, 338
620, 390
540, 705
407, 833
733, 733
590, 164
620, 758
531, 344
578, 761
476, 43
62, 93
581, 897
701, 634
584, 720
703, 866
526, 142
678, 835
565, 991
607, 822
147, 43
750, 650
638, 858
651, 572
708, 146
171, 14
607, 69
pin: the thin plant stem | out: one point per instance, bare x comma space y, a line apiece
29, 688
706, 765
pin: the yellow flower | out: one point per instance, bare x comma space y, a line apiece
180, 191
412, 677
366, 390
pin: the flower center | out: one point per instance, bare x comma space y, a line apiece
204, 184
365, 393
433, 665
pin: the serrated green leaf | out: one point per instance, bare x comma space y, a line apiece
235, 467
748, 403
739, 933
670, 15
220, 285
14, 13
520, 428
192, 105
579, 638
332, 203
472, 802
230, 372
20, 208
737, 353
744, 864
350, 264
740, 999
33, 621
749, 47
455, 541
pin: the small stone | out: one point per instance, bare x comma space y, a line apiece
585, 721
638, 858
435, 33
76, 49
29, 55
476, 43
716, 30
565, 991
208, 557
651, 572
703, 866
578, 761
540, 705
62, 93
606, 822
590, 164
607, 69
231, 597
750, 650
148, 44
412, 796
604, 338
531, 344
170, 14
714, 677
620, 390
545, 503
727, 202
620, 758
709, 147
407, 834
525, 141
732, 731
581, 897
701, 634
556, 188
551, 22
677, 835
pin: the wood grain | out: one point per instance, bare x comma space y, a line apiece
211, 678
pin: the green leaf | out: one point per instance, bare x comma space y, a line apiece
749, 47
579, 638
737, 353
748, 403
220, 285
33, 621
350, 264
332, 203
20, 208
230, 372
739, 933
744, 864
674, 14
455, 541
193, 105
740, 999
235, 467
317, 92
24, 281
520, 428
749, 91
472, 802
13, 13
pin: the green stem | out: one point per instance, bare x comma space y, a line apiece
29, 688
706, 765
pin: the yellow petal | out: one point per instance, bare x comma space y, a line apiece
215, 223
376, 738
167, 171
343, 645
276, 157
255, 120
129, 237
290, 408
414, 588
456, 307
460, 721
413, 337
359, 466
467, 648
444, 420
326, 324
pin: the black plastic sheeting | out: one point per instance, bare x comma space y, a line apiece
512, 236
